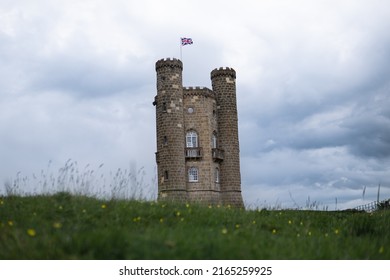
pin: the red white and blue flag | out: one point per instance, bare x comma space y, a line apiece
186, 41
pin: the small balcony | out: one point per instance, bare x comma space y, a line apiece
193, 153
218, 154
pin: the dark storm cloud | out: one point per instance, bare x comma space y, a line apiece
77, 80
78, 70
369, 131
91, 76
340, 105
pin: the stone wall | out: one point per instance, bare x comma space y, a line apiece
170, 129
200, 116
224, 86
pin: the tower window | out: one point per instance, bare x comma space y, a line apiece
165, 141
214, 140
216, 175
166, 175
191, 139
193, 174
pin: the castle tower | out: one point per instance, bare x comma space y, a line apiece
224, 86
170, 131
197, 137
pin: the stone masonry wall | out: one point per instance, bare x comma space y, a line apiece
170, 130
224, 86
200, 116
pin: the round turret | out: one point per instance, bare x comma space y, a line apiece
170, 130
224, 86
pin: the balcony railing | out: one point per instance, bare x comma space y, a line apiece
193, 153
218, 154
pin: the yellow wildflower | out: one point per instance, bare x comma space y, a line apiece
237, 226
381, 250
274, 231
57, 225
336, 231
104, 206
224, 231
31, 232
289, 222
10, 223
161, 220
137, 219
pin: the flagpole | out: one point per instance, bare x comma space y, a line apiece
181, 51
181, 57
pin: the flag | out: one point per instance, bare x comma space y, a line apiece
186, 41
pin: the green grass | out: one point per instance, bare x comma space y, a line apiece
65, 226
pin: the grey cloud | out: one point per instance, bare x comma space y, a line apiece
91, 76
370, 136
312, 86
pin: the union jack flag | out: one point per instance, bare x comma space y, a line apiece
186, 41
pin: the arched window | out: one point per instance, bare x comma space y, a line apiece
193, 174
191, 139
214, 140
216, 175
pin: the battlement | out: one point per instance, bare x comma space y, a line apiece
198, 91
223, 71
196, 88
169, 62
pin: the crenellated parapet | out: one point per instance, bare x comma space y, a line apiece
223, 71
169, 63
198, 91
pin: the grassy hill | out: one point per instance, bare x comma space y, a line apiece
65, 226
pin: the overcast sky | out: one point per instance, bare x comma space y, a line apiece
77, 81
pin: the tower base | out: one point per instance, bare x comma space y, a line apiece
232, 198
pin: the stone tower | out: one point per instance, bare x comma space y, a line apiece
197, 137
